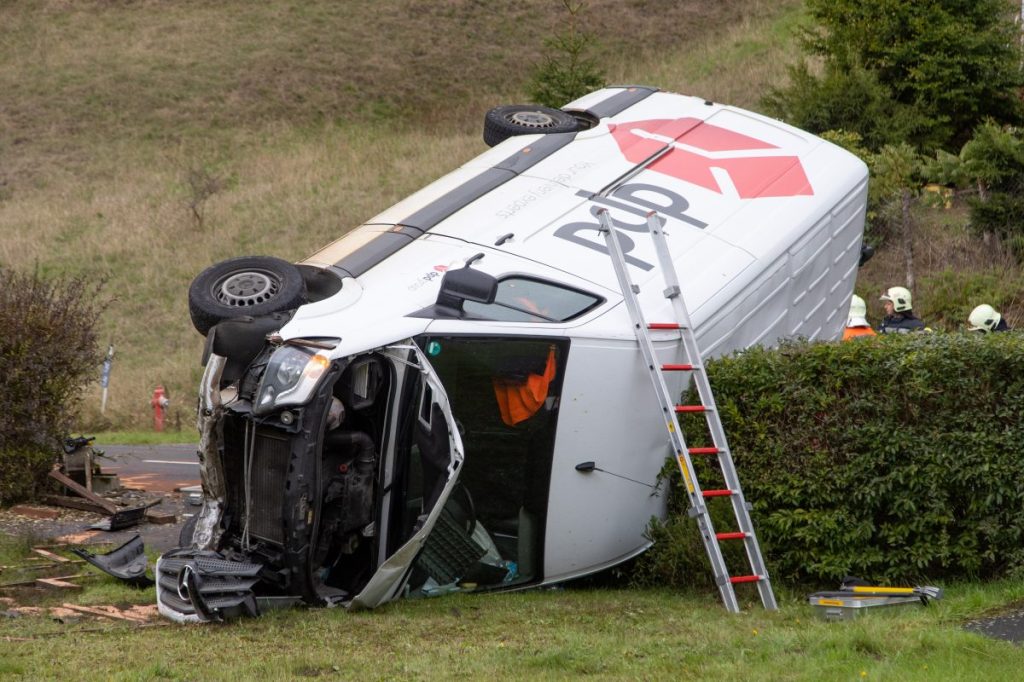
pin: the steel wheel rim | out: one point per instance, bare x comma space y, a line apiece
247, 288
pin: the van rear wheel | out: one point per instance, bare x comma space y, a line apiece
501, 123
246, 286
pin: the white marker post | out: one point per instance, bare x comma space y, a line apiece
105, 376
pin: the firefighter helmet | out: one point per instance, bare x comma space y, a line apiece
858, 312
984, 318
900, 298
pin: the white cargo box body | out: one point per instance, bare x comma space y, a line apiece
765, 225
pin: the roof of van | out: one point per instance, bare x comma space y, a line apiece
733, 188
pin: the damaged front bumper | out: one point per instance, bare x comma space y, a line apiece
195, 585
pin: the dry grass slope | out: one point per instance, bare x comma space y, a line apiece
312, 117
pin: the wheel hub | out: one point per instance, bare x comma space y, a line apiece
248, 288
532, 119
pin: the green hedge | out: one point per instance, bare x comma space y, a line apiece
895, 459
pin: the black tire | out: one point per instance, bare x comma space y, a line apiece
501, 123
188, 529
251, 285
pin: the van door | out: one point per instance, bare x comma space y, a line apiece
432, 438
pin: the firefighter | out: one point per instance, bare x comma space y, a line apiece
899, 314
985, 319
857, 324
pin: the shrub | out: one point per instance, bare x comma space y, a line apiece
47, 352
991, 163
849, 99
566, 73
896, 459
952, 294
927, 70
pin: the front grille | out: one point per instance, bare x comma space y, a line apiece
269, 471
216, 589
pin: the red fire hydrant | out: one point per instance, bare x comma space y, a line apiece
159, 403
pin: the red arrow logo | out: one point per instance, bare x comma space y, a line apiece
753, 167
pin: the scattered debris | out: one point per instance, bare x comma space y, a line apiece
127, 562
159, 517
50, 555
193, 493
113, 612
78, 538
119, 517
55, 581
74, 503
59, 583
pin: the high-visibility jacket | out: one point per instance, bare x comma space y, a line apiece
857, 332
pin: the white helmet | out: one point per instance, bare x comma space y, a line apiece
984, 318
899, 297
858, 312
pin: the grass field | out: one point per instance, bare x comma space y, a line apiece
304, 118
549, 634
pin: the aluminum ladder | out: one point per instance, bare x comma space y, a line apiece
695, 366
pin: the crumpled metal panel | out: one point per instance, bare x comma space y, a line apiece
127, 562
210, 425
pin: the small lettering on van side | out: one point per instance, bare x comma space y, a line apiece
638, 206
562, 178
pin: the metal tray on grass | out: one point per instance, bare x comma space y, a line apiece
839, 606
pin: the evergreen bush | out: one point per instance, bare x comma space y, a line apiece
566, 72
925, 73
47, 353
897, 459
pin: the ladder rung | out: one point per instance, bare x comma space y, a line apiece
663, 325
676, 368
716, 493
690, 408
738, 535
703, 451
744, 579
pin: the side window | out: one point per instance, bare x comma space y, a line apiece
524, 299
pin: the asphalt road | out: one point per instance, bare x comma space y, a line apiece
153, 468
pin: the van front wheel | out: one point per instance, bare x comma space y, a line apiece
501, 123
247, 286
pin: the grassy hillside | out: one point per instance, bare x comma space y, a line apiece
306, 117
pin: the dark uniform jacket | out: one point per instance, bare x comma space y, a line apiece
901, 323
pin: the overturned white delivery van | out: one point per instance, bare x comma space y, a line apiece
403, 413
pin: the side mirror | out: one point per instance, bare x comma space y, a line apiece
466, 284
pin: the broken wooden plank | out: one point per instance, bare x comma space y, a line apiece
50, 555
74, 503
102, 613
32, 581
160, 517
57, 582
109, 506
39, 567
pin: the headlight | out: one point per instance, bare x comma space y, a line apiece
290, 378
